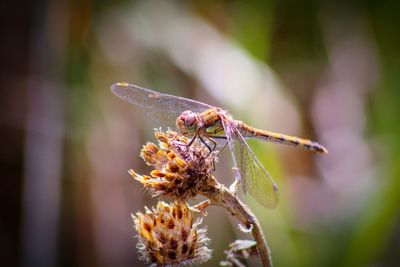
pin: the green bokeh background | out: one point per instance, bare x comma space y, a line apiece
68, 142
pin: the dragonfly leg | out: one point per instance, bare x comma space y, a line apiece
211, 138
208, 147
223, 147
193, 138
214, 143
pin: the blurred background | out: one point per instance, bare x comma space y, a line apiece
327, 71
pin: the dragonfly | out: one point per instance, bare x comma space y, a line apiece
203, 121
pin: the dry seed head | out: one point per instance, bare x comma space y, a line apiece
180, 171
169, 237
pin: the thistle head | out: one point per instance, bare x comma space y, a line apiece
180, 171
168, 236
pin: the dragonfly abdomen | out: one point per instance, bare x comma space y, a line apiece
251, 132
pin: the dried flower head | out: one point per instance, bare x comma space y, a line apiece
169, 237
180, 171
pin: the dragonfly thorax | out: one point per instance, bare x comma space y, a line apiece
188, 122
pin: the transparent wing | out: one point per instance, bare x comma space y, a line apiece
163, 109
252, 174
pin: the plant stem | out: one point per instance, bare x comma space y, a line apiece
262, 246
219, 195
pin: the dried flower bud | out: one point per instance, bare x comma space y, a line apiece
169, 237
180, 171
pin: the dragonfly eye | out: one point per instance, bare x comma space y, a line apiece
187, 121
190, 119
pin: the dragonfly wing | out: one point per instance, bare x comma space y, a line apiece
163, 109
252, 174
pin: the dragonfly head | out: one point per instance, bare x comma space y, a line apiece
187, 122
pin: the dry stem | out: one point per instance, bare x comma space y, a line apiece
219, 195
